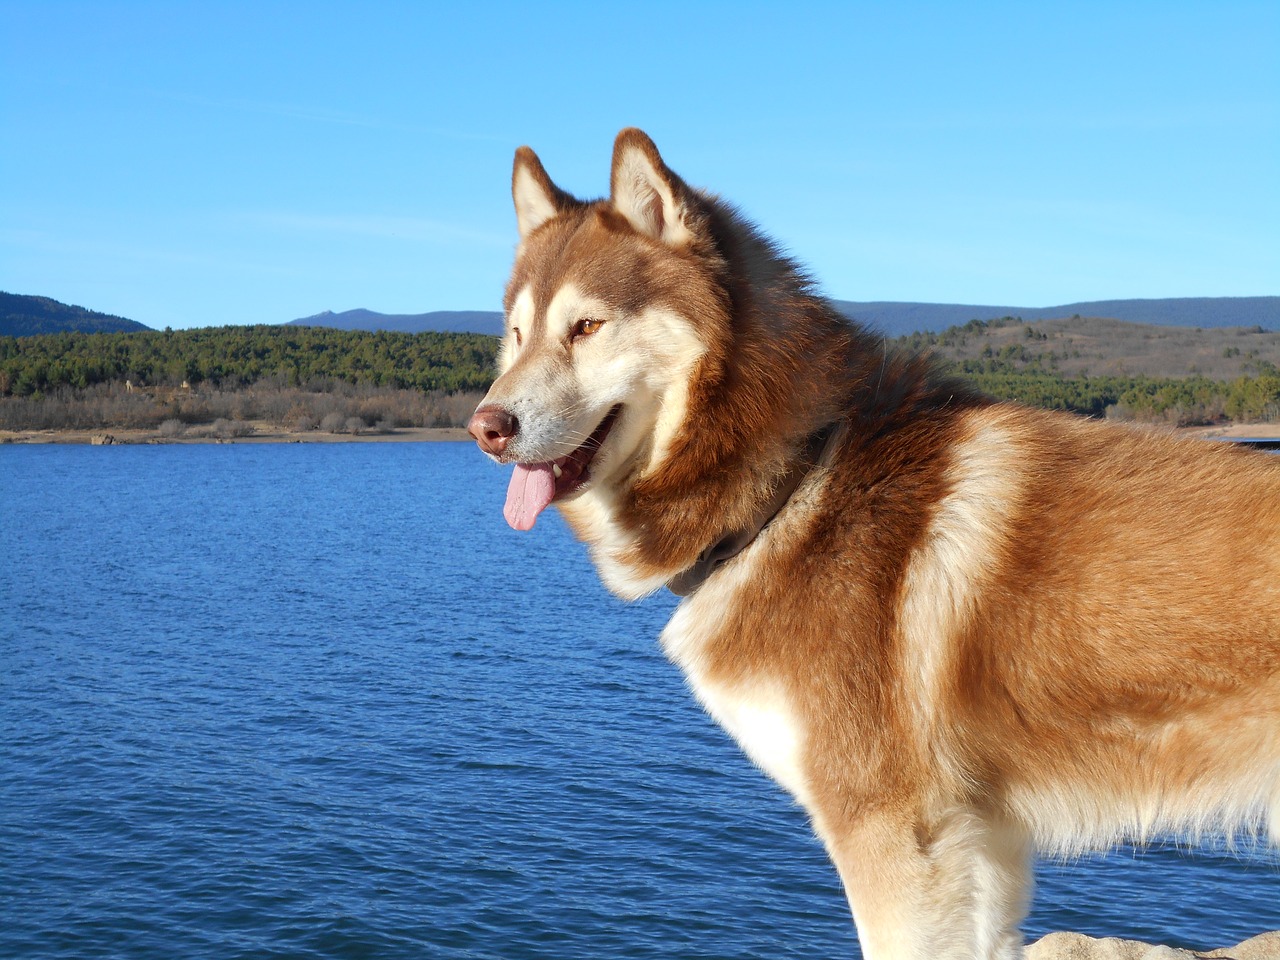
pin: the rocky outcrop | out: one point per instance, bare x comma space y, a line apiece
1076, 946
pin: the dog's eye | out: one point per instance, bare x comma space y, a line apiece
585, 328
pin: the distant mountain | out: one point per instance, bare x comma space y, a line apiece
892, 318
444, 321
898, 319
27, 316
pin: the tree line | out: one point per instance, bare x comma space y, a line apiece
1177, 401
239, 356
321, 360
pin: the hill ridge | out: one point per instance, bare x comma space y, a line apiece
898, 318
891, 317
29, 315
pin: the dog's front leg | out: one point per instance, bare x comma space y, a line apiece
954, 891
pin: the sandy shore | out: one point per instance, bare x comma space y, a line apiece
268, 433
1236, 431
262, 433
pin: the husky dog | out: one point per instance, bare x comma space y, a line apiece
956, 630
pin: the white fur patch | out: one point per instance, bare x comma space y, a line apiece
594, 511
674, 348
759, 716
569, 305
947, 572
755, 711
520, 317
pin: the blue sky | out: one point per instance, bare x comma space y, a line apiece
193, 164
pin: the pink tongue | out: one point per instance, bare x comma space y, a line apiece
533, 487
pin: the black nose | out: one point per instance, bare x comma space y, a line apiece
493, 429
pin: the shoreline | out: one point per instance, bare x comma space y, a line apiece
262, 433
1233, 431
268, 433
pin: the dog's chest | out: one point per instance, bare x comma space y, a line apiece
749, 701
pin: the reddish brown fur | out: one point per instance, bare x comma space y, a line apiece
1114, 666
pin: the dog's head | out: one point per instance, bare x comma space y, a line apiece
601, 340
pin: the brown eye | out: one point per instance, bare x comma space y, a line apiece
585, 328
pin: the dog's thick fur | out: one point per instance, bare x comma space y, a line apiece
973, 629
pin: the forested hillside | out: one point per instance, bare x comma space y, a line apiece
1177, 375
27, 316
1085, 346
299, 374
239, 356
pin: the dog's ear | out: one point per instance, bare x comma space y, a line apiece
652, 198
537, 198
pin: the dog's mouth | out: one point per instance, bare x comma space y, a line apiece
535, 486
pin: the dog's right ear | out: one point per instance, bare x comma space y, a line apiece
537, 198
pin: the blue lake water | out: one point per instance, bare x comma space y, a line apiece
319, 701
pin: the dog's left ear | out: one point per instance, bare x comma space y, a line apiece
652, 198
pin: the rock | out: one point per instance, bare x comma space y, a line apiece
1265, 946
1076, 946
102, 439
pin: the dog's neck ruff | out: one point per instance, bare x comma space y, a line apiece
732, 544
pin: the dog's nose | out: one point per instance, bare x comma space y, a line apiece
493, 429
